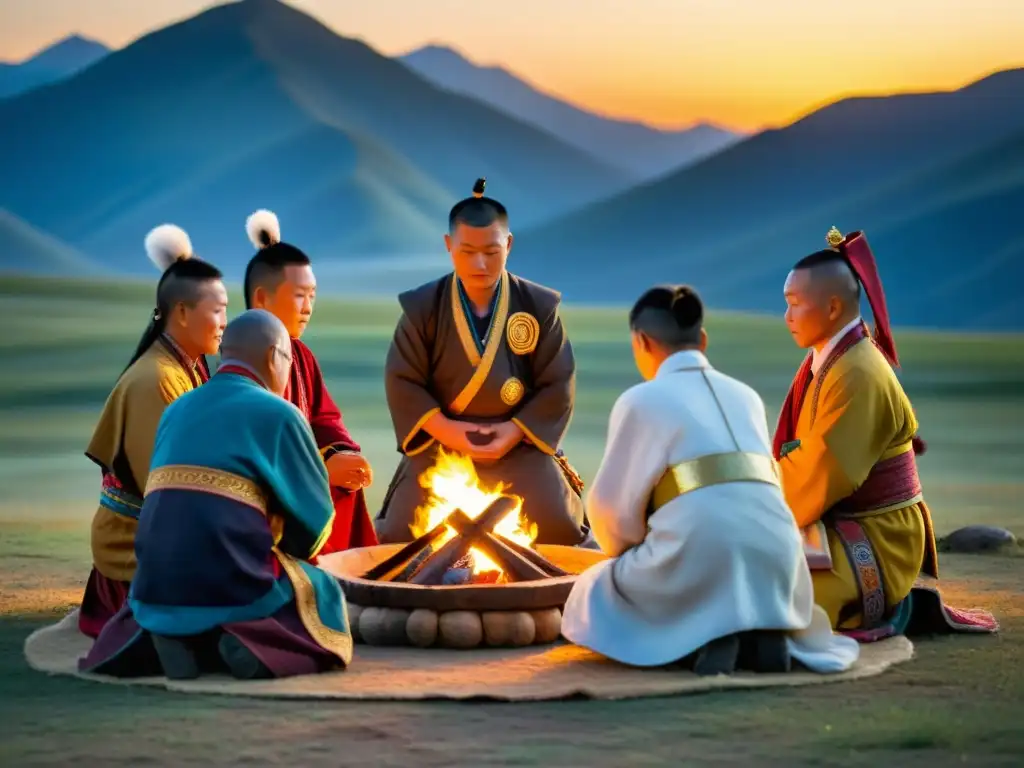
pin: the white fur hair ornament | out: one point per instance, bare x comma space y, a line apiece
263, 228
167, 244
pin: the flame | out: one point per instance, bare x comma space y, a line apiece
453, 484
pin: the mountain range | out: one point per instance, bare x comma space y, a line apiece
361, 155
935, 180
357, 154
57, 62
634, 148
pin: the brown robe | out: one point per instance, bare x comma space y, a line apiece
524, 371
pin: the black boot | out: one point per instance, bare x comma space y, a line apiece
718, 657
765, 652
177, 657
241, 662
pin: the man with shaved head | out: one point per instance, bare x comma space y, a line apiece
846, 444
236, 504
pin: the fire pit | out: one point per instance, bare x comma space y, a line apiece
471, 577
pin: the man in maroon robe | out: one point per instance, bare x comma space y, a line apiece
279, 279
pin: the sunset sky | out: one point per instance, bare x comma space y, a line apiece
741, 63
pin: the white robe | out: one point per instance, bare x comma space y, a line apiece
722, 559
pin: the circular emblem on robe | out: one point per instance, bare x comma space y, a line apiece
522, 331
512, 391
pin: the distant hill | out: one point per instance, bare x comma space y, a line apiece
946, 239
57, 62
359, 156
639, 150
934, 180
25, 250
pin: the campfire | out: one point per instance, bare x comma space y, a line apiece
466, 534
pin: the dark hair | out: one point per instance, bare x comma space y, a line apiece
828, 256
477, 211
672, 315
180, 282
266, 268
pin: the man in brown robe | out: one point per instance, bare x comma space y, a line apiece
481, 365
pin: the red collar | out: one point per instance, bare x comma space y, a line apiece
240, 371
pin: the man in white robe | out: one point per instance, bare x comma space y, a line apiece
707, 564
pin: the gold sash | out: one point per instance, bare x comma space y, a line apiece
715, 469
207, 480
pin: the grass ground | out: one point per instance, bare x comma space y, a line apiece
960, 701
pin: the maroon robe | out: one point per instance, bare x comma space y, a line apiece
308, 392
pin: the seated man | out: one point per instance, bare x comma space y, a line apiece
186, 324
481, 365
236, 502
279, 279
707, 566
846, 444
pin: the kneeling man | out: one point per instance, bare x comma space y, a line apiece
707, 565
236, 503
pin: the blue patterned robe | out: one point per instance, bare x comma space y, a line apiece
236, 502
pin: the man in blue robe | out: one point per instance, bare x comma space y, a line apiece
236, 503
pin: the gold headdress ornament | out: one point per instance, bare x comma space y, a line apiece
834, 237
478, 188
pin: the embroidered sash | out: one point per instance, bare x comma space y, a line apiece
893, 483
115, 498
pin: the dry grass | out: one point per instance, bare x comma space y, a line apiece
961, 699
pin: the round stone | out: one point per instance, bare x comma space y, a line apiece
979, 538
421, 628
383, 626
548, 625
508, 628
460, 629
353, 621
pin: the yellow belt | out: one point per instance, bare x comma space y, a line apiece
718, 468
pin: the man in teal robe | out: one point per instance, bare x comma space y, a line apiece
236, 504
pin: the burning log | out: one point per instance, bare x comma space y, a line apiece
549, 568
408, 552
423, 562
433, 568
516, 566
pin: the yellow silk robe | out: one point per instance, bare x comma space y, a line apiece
123, 443
854, 417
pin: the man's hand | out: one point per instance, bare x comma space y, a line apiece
350, 471
484, 442
503, 437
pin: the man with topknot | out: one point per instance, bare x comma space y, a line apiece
280, 279
480, 365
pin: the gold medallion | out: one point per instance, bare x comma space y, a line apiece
522, 332
512, 391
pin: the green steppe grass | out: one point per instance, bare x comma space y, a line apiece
62, 346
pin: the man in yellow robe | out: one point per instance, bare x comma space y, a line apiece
186, 324
846, 445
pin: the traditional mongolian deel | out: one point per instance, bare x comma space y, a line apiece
225, 533
846, 443
308, 392
516, 363
121, 445
688, 503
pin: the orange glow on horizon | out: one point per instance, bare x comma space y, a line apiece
743, 64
